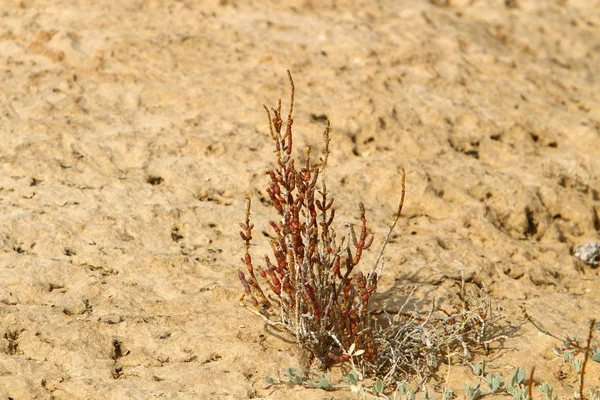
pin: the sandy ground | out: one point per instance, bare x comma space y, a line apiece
132, 131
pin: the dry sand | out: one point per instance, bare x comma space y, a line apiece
132, 131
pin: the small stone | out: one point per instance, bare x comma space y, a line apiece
589, 253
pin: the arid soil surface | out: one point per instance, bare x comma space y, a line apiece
133, 130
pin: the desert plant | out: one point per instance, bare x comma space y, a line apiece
311, 286
415, 344
315, 290
572, 347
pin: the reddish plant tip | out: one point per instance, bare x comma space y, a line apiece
338, 359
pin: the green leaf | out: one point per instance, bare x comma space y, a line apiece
494, 382
576, 362
546, 389
479, 368
473, 392
352, 378
324, 383
269, 379
517, 394
596, 356
379, 386
402, 387
295, 377
427, 397
517, 378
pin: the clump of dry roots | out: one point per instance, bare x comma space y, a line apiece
412, 344
310, 285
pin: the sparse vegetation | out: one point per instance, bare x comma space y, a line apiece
312, 288
316, 293
517, 385
572, 347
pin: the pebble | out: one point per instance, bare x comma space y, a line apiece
589, 253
